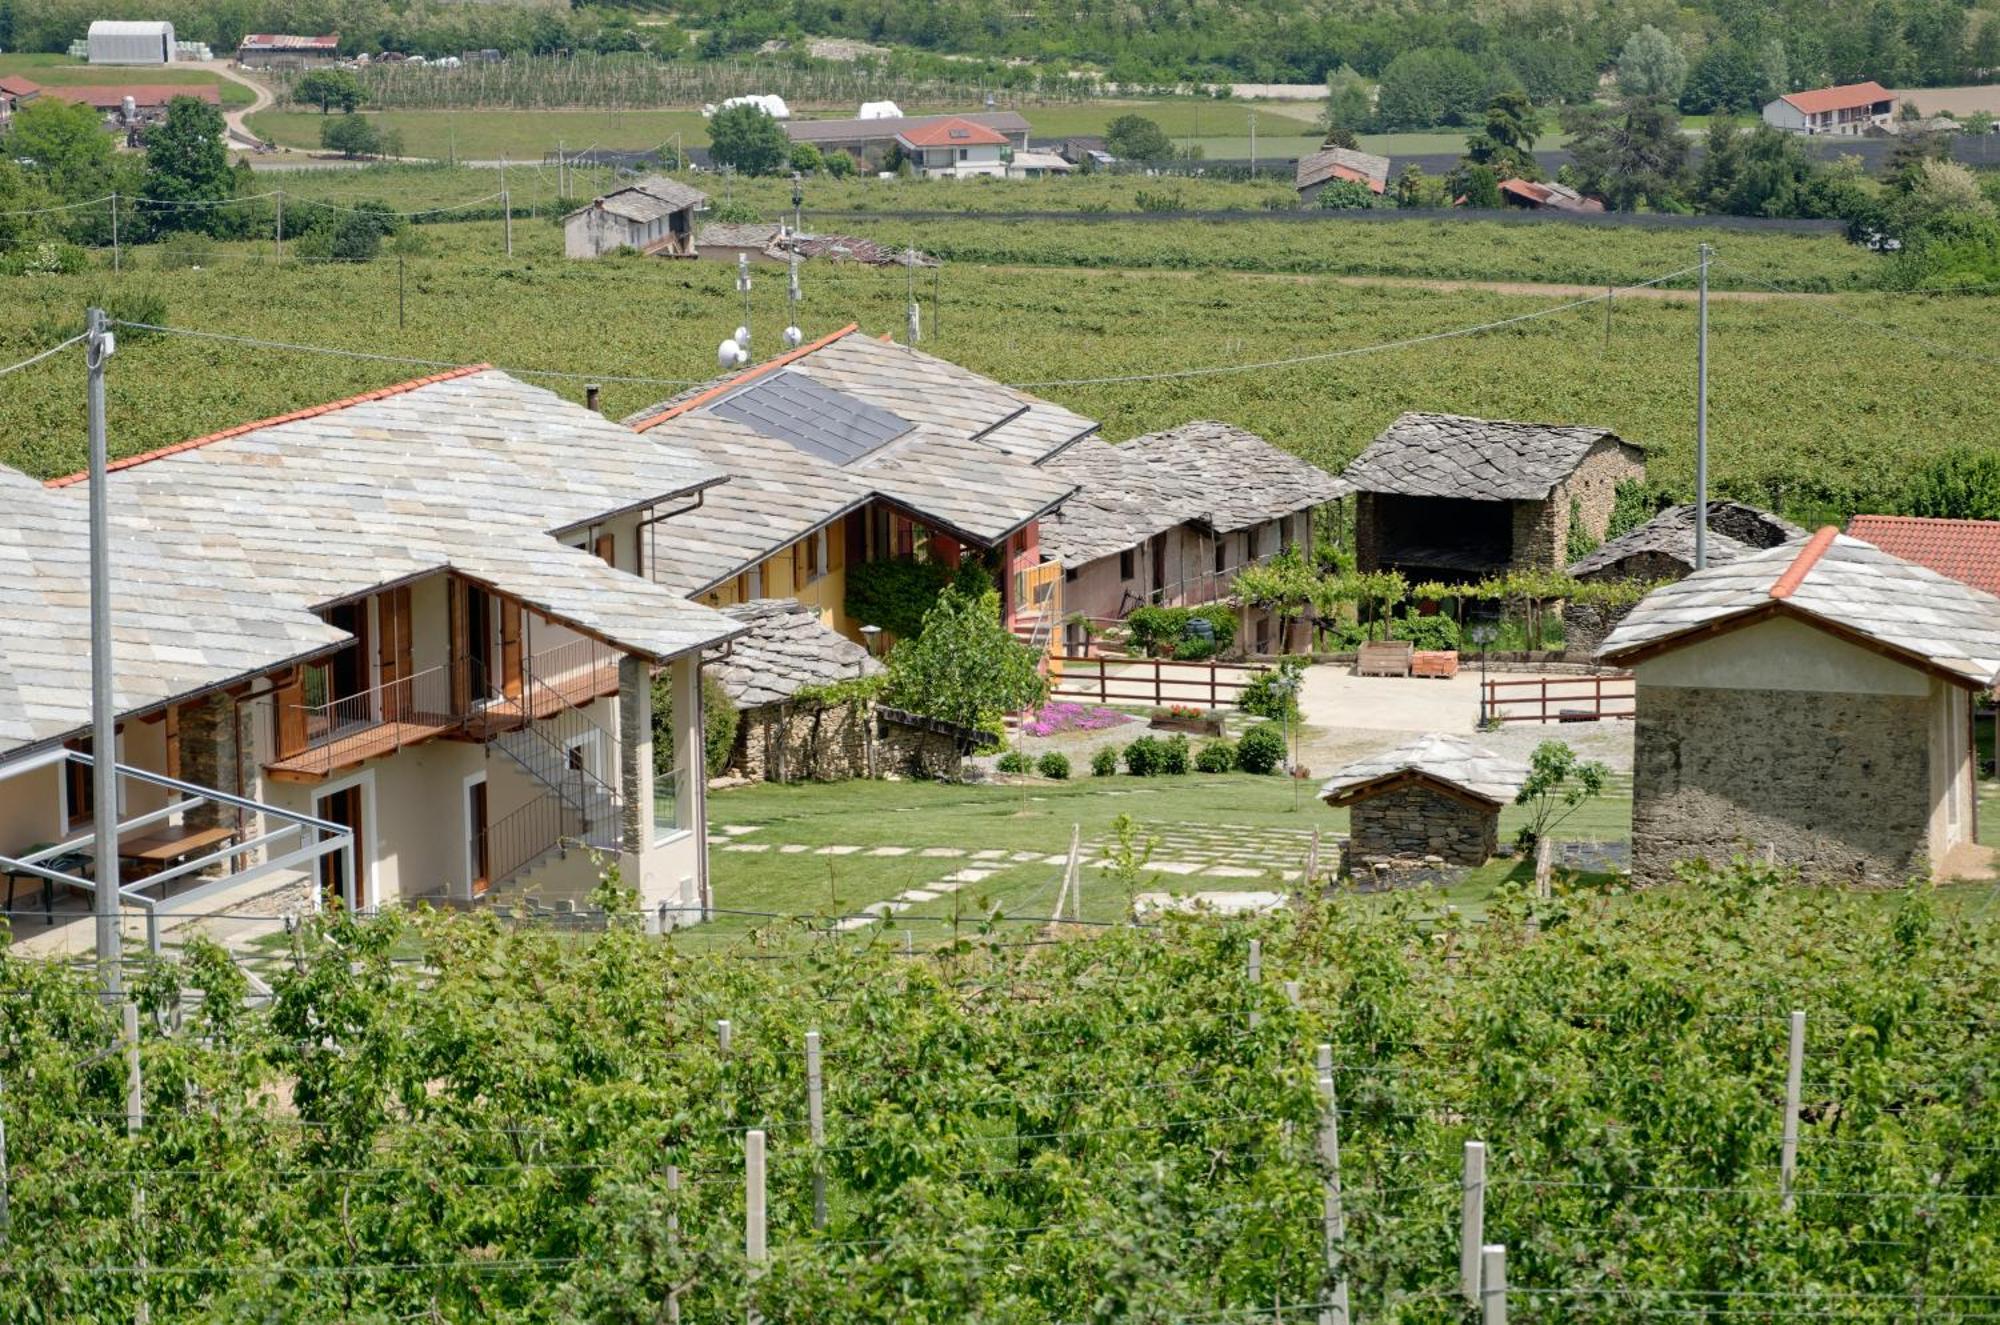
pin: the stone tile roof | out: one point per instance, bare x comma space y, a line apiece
738, 234
648, 200
1733, 529
1239, 478
1121, 501
967, 466
1452, 760
1852, 587
785, 649
228, 542
1453, 455
1342, 163
1966, 550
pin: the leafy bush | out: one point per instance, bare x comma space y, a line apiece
1012, 762
1174, 757
992, 731
1144, 756
45, 259
1961, 484
839, 165
1216, 757
1054, 765
964, 666
894, 593
1274, 694
1157, 631
719, 721
1194, 649
1426, 632
1104, 761
1261, 749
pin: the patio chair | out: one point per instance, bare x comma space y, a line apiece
69, 862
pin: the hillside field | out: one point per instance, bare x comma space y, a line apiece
58, 71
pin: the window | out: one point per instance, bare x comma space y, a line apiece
1221, 553
1069, 575
1126, 569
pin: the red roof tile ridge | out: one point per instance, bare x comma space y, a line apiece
311, 411
748, 375
1802, 564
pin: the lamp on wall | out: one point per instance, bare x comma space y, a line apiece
870, 637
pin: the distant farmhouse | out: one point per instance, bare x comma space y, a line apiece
278, 50
1851, 109
1319, 169
1444, 496
870, 141
954, 148
112, 41
1545, 195
654, 216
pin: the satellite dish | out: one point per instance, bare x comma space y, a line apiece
729, 354
743, 340
793, 337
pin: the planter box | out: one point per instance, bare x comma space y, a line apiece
1208, 724
1438, 663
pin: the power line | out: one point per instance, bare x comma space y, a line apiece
35, 359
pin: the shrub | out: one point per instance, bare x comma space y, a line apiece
1144, 756
45, 259
1216, 757
1012, 762
1054, 765
839, 165
719, 720
894, 593
1104, 762
964, 666
1273, 694
1426, 632
1164, 630
1262, 748
806, 158
1174, 757
351, 136
1194, 648
992, 731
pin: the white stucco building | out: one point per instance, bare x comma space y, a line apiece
1852, 109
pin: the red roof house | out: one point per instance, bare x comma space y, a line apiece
1852, 108
954, 147
953, 132
1966, 550
148, 97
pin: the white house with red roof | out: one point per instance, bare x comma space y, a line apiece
954, 148
1852, 109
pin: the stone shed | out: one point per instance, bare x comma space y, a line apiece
787, 733
1662, 549
1813, 700
1448, 497
1434, 801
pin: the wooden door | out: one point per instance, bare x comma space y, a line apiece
393, 651
343, 807
288, 701
477, 850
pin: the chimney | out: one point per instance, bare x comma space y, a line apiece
590, 393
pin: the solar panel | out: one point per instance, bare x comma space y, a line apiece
824, 423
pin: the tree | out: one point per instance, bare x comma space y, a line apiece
1345, 195
1506, 142
719, 721
1479, 187
1350, 103
1558, 782
351, 136
1774, 71
1430, 86
1339, 135
1725, 79
1634, 157
1552, 72
186, 162
840, 165
1961, 484
327, 88
1136, 138
806, 159
1651, 65
965, 667
1413, 188
749, 139
62, 145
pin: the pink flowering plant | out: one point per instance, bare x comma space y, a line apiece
1057, 716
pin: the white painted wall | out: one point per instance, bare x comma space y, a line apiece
1783, 654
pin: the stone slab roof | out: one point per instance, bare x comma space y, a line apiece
648, 200
967, 466
1121, 501
1733, 529
1239, 478
1453, 455
1854, 588
1452, 760
227, 544
738, 234
1966, 550
1342, 163
785, 649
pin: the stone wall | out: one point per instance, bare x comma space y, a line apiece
1367, 533
1541, 533
1838, 784
1594, 485
1413, 822
1587, 625
918, 752
803, 743
208, 756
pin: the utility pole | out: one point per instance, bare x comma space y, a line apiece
1701, 421
399, 289
1253, 144
281, 225
116, 266
506, 211
98, 347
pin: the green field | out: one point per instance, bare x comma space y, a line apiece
56, 70
487, 135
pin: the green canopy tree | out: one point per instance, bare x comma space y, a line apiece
966, 666
62, 146
1633, 157
1651, 66
1430, 86
327, 88
1505, 143
186, 163
351, 136
1136, 138
749, 139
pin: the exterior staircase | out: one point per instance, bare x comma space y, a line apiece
577, 808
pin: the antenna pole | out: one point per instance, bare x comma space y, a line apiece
1701, 421
104, 718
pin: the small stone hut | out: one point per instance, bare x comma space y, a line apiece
1812, 700
1447, 497
654, 215
1663, 549
1434, 801
786, 734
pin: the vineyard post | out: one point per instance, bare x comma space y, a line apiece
1472, 1221
722, 1036
506, 210
754, 1250
816, 1120
1701, 422
1253, 976
116, 267
6, 1206
142, 1310
1069, 890
1335, 1216
134, 1087
1493, 1288
1794, 1068
280, 193
673, 1240
1294, 994
1312, 862
1610, 297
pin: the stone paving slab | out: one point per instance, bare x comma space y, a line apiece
1232, 872
794, 849
918, 895
970, 875
836, 851
989, 855
942, 852
746, 846
891, 851
737, 830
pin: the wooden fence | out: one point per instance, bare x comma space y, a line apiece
1154, 681
1600, 695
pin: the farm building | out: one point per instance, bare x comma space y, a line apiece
1966, 550
654, 216
1851, 109
871, 140
769, 241
16, 92
1037, 165
149, 100
1545, 195
282, 50
1436, 800
1444, 496
1319, 169
114, 41
1663, 549
1813, 700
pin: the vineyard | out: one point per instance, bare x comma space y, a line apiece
457, 1118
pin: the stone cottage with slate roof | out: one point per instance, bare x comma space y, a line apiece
1172, 517
786, 650
1318, 169
1663, 549
418, 613
1812, 699
1447, 497
654, 215
1435, 801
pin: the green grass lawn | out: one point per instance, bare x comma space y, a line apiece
486, 135
58, 71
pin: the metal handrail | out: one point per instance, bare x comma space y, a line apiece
421, 702
518, 841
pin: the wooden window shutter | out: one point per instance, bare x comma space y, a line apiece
289, 700
510, 648
607, 550
461, 654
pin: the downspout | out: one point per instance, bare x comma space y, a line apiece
645, 528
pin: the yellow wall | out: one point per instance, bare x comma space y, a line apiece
782, 576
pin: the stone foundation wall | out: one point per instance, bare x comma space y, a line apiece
1837, 784
1594, 486
208, 755
1415, 822
1541, 533
915, 752
1587, 625
803, 743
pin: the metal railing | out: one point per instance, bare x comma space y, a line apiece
517, 842
582, 669
377, 721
